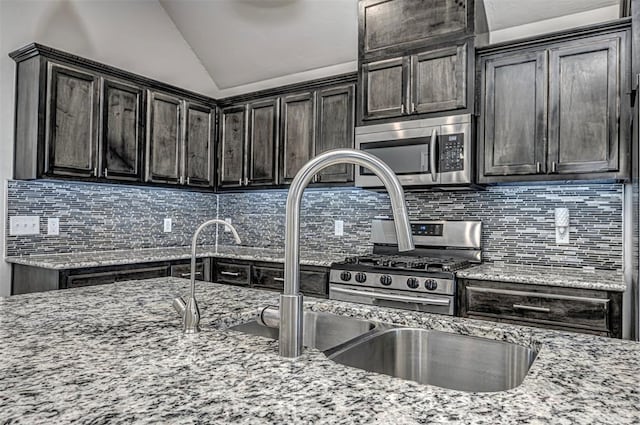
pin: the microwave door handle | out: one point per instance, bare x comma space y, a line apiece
432, 155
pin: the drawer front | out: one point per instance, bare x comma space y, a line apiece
311, 282
79, 280
144, 273
235, 274
101, 278
552, 309
184, 271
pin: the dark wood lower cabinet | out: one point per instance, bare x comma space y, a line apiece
570, 309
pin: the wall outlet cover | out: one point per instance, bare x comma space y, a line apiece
339, 227
167, 225
53, 226
24, 225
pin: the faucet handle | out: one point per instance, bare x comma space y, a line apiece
179, 305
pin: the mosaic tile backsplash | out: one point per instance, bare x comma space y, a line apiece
518, 221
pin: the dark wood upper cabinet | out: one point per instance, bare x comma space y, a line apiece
514, 114
438, 80
556, 111
335, 129
232, 146
165, 135
199, 145
385, 88
262, 143
397, 25
298, 133
584, 94
73, 123
122, 131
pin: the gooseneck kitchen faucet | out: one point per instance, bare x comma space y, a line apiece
291, 313
189, 310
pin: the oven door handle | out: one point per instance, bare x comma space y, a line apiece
432, 155
393, 297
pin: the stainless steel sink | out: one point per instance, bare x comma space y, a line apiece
321, 330
443, 359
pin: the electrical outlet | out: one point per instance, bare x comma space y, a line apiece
226, 229
167, 225
339, 227
53, 226
24, 225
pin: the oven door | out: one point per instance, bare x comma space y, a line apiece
410, 153
428, 303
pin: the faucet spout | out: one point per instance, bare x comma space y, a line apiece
189, 310
291, 300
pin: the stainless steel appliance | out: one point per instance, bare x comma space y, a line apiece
421, 280
430, 153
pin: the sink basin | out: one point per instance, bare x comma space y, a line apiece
443, 359
321, 330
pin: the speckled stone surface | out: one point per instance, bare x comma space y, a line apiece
604, 280
114, 354
79, 260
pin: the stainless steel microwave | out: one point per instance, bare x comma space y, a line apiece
432, 152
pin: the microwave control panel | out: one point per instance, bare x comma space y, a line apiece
451, 152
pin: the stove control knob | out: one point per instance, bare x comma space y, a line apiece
361, 277
431, 284
346, 276
386, 280
413, 283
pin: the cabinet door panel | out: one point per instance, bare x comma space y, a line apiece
513, 114
73, 123
584, 94
263, 136
335, 129
198, 147
391, 24
122, 135
232, 146
385, 88
164, 139
438, 80
298, 115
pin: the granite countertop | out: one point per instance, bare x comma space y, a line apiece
604, 280
77, 260
115, 354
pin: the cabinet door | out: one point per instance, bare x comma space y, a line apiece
298, 125
335, 129
262, 143
584, 94
439, 80
122, 131
164, 139
513, 114
385, 88
198, 145
73, 123
394, 24
232, 146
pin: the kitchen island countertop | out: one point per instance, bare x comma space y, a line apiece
115, 354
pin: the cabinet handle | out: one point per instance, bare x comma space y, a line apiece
531, 308
432, 155
95, 172
402, 109
554, 167
240, 182
234, 274
188, 180
247, 181
278, 279
538, 167
181, 180
189, 274
413, 107
106, 173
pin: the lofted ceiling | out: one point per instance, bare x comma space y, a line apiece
242, 43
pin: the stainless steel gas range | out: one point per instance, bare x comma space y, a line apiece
421, 280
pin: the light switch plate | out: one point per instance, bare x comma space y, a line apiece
339, 228
167, 225
53, 226
24, 225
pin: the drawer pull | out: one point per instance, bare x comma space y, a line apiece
278, 279
531, 308
189, 274
234, 274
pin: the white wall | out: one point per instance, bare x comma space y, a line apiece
134, 35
